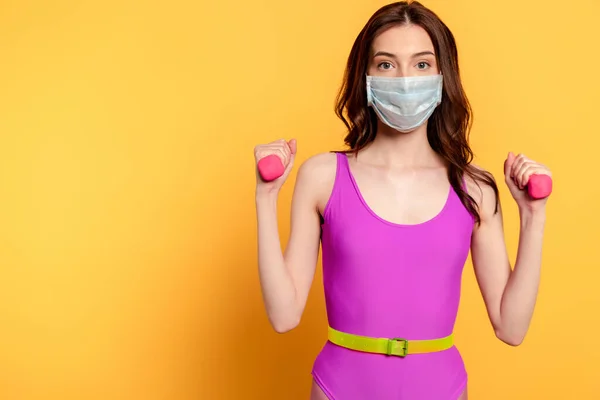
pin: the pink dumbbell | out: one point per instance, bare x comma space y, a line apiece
270, 168
539, 186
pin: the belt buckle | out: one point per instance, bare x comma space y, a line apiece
390, 344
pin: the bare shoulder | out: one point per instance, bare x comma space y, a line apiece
320, 163
317, 176
318, 169
482, 192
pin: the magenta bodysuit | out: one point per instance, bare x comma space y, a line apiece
387, 280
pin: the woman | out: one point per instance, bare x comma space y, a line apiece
396, 216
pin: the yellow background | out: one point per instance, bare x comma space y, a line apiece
127, 223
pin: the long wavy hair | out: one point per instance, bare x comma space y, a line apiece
448, 127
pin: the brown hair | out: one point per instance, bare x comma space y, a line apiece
449, 125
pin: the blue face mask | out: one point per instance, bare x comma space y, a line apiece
404, 103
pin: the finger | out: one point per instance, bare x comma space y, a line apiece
282, 145
534, 170
288, 168
518, 172
520, 163
545, 170
519, 160
282, 153
287, 151
522, 175
522, 178
510, 159
280, 150
270, 145
277, 142
269, 151
293, 146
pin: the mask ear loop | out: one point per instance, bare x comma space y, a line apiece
441, 89
369, 96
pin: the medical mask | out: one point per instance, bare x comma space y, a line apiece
404, 103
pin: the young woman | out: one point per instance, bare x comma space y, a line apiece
396, 216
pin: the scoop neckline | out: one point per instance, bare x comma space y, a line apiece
385, 221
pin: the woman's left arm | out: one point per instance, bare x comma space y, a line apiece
510, 294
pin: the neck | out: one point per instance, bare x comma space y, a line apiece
394, 148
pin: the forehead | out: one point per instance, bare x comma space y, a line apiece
403, 40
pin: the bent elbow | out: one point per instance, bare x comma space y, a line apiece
285, 326
510, 339
281, 329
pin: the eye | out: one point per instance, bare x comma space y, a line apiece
423, 65
385, 65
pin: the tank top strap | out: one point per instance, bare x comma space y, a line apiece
344, 179
341, 200
342, 163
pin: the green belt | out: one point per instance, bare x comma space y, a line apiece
391, 347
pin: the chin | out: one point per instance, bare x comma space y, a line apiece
409, 131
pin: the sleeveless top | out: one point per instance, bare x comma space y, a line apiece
388, 280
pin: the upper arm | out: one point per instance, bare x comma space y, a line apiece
314, 183
488, 251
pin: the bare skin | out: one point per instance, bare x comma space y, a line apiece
395, 173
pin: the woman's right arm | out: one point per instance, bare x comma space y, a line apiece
286, 277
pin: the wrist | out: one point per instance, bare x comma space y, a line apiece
266, 198
536, 217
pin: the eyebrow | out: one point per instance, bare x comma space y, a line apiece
392, 55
